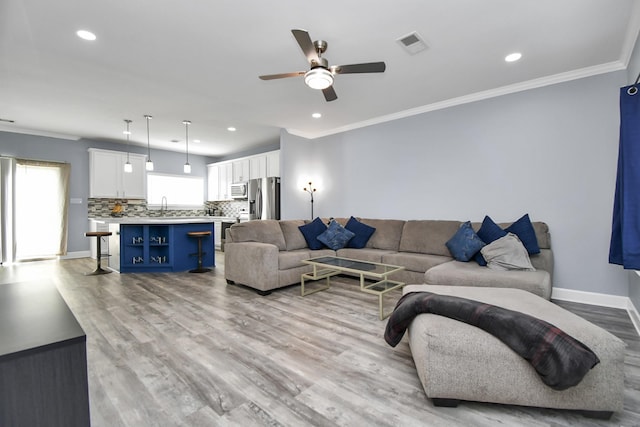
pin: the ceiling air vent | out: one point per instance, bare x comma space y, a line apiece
412, 43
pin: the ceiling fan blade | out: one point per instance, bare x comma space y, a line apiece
282, 76
369, 67
329, 94
304, 40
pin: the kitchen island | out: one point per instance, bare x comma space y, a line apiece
157, 244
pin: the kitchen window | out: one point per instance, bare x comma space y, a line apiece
181, 192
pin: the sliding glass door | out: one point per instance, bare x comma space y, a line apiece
41, 204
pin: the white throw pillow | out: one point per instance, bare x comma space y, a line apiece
507, 253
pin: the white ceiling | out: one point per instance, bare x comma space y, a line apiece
200, 60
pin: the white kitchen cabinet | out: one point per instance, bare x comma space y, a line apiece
213, 182
273, 163
225, 180
258, 167
219, 178
240, 170
107, 178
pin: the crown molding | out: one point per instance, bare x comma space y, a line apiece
14, 129
478, 96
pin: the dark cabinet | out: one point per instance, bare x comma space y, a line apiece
163, 247
43, 359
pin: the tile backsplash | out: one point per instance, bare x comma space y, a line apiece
101, 208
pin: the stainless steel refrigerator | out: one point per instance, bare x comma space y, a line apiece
264, 198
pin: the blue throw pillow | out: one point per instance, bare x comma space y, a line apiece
335, 236
525, 232
465, 243
489, 232
363, 233
311, 232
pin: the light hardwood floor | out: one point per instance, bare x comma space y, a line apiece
186, 349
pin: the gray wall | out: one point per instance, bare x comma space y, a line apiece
75, 153
550, 152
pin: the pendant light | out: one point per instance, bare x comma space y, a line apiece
149, 164
187, 166
127, 166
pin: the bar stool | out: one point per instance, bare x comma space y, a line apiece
99, 235
199, 235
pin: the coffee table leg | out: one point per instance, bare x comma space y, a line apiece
307, 276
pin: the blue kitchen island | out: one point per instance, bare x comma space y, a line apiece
158, 244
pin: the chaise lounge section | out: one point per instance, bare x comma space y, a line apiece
460, 362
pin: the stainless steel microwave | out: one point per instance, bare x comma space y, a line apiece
239, 191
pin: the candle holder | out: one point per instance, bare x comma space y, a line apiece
310, 190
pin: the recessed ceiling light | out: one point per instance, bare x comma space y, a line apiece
196, 141
86, 35
316, 115
231, 129
513, 57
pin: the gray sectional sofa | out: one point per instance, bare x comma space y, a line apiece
267, 255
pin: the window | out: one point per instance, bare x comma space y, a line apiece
181, 192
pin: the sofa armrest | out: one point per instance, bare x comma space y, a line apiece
252, 264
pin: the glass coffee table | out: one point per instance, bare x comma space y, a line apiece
327, 266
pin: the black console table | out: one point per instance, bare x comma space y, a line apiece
43, 359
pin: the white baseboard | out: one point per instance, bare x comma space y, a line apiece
603, 300
593, 298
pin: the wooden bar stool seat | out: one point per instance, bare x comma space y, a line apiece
98, 235
199, 235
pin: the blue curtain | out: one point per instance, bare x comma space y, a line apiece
625, 235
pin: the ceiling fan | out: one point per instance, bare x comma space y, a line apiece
321, 75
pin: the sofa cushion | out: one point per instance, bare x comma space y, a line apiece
456, 273
415, 262
507, 253
364, 254
362, 231
292, 259
293, 237
265, 231
311, 232
387, 234
525, 232
428, 236
465, 243
335, 236
542, 234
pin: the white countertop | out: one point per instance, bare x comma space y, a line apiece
161, 220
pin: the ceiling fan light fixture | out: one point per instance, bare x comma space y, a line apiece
318, 78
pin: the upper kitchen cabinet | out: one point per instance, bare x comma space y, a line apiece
219, 177
273, 163
107, 178
213, 183
240, 170
226, 178
258, 167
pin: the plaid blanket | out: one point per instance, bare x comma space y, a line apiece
560, 360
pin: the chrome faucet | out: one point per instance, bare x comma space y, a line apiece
163, 205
